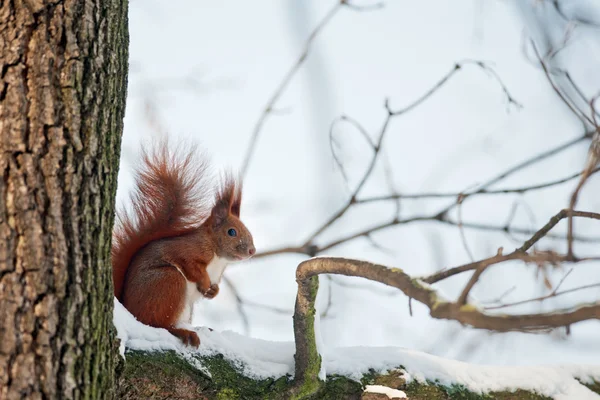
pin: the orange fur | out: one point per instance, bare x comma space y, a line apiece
173, 236
167, 202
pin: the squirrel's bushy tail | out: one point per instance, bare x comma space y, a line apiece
171, 197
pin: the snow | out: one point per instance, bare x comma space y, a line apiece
261, 359
391, 393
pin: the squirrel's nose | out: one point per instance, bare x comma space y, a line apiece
251, 250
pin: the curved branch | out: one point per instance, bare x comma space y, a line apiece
308, 359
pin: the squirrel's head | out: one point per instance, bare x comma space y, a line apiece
233, 240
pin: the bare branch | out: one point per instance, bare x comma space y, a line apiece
280, 89
267, 307
592, 161
376, 146
544, 230
461, 231
578, 113
546, 297
312, 249
516, 168
239, 304
457, 67
579, 92
325, 312
308, 360
285, 82
370, 7
462, 299
517, 190
439, 216
359, 128
494, 74
447, 273
518, 253
499, 298
579, 19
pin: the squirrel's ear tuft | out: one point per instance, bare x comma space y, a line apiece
237, 199
230, 193
219, 213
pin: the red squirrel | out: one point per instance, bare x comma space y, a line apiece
172, 249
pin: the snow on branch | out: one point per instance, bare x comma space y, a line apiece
307, 357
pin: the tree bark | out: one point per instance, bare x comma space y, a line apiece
63, 82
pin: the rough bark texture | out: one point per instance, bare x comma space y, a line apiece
307, 359
63, 75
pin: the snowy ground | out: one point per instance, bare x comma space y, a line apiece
205, 69
262, 359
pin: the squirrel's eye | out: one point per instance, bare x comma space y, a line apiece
232, 232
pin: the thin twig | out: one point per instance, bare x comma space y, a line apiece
376, 146
359, 128
542, 298
562, 280
307, 357
462, 299
370, 7
516, 168
325, 312
502, 296
382, 132
580, 20
309, 248
313, 249
461, 231
592, 161
239, 304
267, 307
578, 113
579, 92
457, 67
440, 195
519, 253
284, 84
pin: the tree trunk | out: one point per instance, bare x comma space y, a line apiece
63, 77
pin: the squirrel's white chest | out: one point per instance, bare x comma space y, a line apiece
215, 270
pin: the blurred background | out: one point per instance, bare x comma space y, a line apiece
206, 70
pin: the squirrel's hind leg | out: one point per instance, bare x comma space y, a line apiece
158, 299
187, 337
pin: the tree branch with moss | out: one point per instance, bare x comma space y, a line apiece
308, 360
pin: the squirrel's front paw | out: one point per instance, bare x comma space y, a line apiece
212, 291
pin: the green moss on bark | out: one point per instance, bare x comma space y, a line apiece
159, 375
165, 375
315, 360
310, 383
